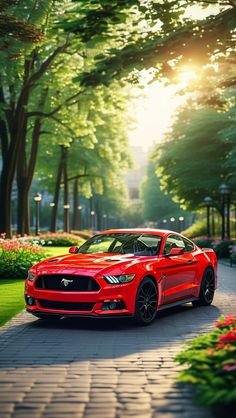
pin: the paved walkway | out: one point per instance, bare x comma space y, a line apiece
103, 370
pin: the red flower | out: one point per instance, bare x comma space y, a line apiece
228, 320
229, 337
220, 346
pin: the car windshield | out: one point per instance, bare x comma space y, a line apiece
123, 243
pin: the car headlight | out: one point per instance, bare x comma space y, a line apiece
123, 278
31, 276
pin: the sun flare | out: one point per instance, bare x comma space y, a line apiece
187, 75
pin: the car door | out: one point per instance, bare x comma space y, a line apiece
179, 272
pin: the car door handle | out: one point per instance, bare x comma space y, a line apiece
190, 261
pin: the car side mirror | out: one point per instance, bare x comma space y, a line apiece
176, 251
73, 250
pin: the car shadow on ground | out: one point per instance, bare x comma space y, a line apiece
177, 313
41, 343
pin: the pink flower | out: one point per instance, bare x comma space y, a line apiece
229, 368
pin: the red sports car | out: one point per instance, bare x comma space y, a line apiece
128, 272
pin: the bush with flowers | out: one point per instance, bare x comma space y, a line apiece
223, 248
17, 257
212, 364
58, 239
61, 239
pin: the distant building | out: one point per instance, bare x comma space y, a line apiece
134, 177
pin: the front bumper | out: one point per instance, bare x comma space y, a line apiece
109, 301
78, 315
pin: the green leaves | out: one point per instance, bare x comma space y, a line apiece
193, 158
207, 362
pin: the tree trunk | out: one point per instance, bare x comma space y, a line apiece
25, 172
5, 204
76, 211
13, 130
66, 193
57, 193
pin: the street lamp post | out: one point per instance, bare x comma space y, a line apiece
92, 219
104, 217
66, 217
225, 201
80, 216
181, 223
228, 214
172, 220
208, 203
164, 221
37, 199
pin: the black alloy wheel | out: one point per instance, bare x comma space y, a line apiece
146, 302
207, 289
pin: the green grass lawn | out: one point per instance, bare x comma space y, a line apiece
51, 251
11, 298
12, 291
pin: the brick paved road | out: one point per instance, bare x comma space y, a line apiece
112, 370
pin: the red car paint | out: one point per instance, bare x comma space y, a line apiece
177, 278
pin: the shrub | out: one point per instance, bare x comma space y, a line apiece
17, 257
212, 364
199, 228
203, 242
55, 240
222, 248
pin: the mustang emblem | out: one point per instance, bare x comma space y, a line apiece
66, 282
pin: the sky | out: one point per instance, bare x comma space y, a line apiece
153, 112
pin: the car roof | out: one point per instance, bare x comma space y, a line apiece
161, 232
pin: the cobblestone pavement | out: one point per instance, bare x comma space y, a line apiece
110, 370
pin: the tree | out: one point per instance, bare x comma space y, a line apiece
95, 156
176, 41
18, 80
17, 30
156, 204
191, 162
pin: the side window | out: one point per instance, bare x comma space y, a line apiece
173, 241
188, 245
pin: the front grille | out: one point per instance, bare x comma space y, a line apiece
67, 306
67, 283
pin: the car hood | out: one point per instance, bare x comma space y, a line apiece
91, 263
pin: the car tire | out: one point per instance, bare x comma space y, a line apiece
207, 289
146, 302
49, 317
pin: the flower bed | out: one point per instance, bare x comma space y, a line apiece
17, 257
212, 364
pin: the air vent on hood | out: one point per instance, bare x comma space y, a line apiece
54, 259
